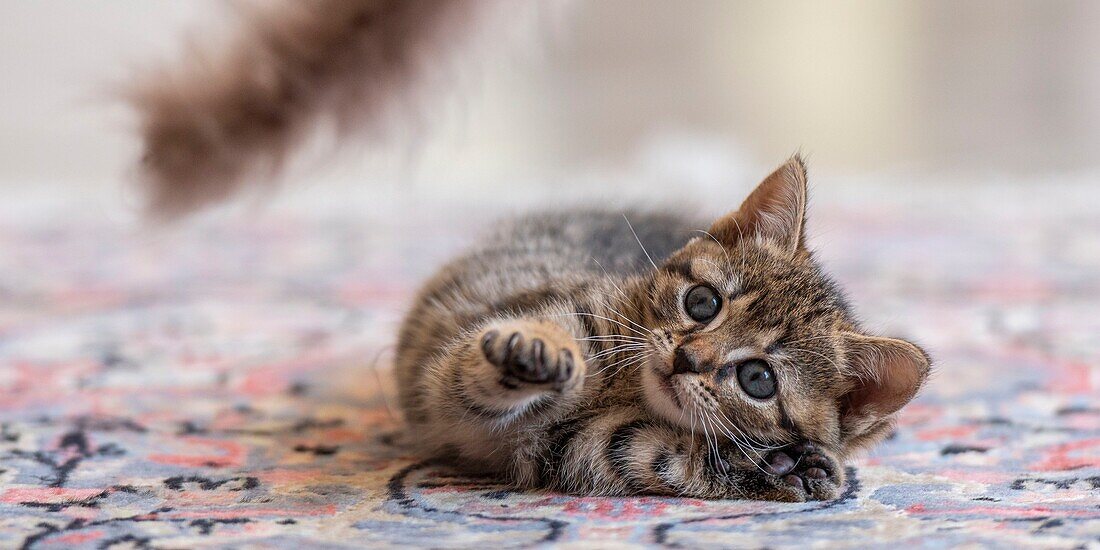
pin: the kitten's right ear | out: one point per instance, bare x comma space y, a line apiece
775, 212
886, 374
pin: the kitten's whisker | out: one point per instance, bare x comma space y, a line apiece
599, 351
613, 336
702, 423
741, 447
618, 366
692, 418
637, 355
630, 362
734, 440
712, 263
578, 313
623, 316
730, 436
720, 245
627, 319
749, 438
751, 441
719, 268
741, 239
717, 413
624, 351
717, 453
748, 441
627, 343
740, 444
648, 257
620, 351
612, 339
615, 350
616, 344
624, 345
611, 280
703, 416
712, 444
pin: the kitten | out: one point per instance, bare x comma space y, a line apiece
712, 364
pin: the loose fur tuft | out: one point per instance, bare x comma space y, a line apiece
227, 117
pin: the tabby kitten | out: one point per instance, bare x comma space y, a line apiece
712, 364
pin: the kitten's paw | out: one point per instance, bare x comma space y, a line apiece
804, 471
531, 355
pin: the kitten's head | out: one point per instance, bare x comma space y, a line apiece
756, 343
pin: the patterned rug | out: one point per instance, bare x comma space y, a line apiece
227, 383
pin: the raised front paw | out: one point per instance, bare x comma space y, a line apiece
803, 471
529, 356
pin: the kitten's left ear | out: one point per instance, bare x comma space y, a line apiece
886, 374
774, 212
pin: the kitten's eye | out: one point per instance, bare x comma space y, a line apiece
702, 303
756, 378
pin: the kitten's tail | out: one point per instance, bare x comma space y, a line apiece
229, 116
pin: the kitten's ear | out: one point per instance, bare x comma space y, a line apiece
775, 211
886, 374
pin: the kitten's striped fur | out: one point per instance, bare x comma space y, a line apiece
549, 355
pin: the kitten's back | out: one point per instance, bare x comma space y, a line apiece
594, 240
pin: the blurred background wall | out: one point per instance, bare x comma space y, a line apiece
861, 86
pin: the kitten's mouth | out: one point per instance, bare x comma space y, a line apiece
663, 394
668, 386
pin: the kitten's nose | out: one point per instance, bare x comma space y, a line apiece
684, 362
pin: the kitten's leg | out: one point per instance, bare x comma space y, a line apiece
530, 357
620, 453
803, 471
796, 473
508, 368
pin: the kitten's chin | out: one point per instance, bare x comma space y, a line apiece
663, 396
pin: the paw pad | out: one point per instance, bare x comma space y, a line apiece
806, 468
528, 360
